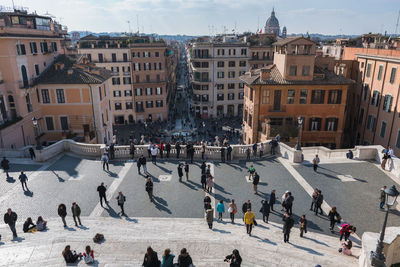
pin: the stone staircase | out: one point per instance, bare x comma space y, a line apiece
126, 241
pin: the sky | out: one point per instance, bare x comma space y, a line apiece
204, 17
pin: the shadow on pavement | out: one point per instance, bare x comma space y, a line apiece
10, 179
220, 231
28, 193
316, 241
309, 250
161, 204
265, 240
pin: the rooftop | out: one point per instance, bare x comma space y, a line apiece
289, 40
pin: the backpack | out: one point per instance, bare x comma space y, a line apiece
98, 238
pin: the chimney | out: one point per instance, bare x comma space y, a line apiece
265, 74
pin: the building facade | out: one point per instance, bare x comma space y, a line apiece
261, 50
215, 67
29, 43
276, 95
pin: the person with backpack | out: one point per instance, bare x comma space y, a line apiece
149, 188
333, 218
265, 210
303, 225
121, 201
62, 212
287, 226
318, 203
88, 255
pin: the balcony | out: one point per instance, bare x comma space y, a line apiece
114, 73
127, 73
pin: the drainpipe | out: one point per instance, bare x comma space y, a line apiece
394, 114
94, 118
380, 101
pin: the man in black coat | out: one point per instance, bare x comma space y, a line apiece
287, 226
168, 149
102, 193
318, 203
5, 164
178, 149
229, 153
10, 218
203, 167
149, 188
222, 154
256, 180
246, 205
289, 203
272, 199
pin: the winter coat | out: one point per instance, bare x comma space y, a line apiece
256, 179
332, 215
62, 210
168, 261
76, 211
184, 260
23, 178
287, 224
265, 208
319, 200
209, 215
153, 262
149, 186
272, 198
246, 206
249, 217
5, 164
10, 219
180, 171
220, 207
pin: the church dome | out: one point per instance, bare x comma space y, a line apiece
272, 21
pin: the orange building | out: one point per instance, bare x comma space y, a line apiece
293, 86
74, 101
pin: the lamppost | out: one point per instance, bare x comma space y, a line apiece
36, 131
299, 124
377, 257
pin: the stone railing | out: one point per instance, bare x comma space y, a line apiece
15, 153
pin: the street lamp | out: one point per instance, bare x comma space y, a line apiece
377, 257
299, 124
36, 131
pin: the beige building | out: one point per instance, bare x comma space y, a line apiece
261, 50
28, 45
215, 68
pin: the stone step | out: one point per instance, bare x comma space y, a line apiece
126, 241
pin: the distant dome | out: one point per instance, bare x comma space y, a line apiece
272, 24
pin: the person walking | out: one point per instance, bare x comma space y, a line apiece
132, 150
138, 164
246, 205
10, 218
210, 217
272, 199
23, 178
187, 171
149, 147
76, 213
318, 203
104, 159
261, 150
315, 163
5, 164
178, 149
203, 167
102, 193
149, 188
314, 196
249, 218
154, 151
333, 218
232, 209
303, 225
222, 150
251, 170
32, 153
220, 209
256, 180
143, 162
161, 148
229, 152
255, 150
287, 226
112, 151
168, 149
265, 210
203, 151
382, 197
289, 203
208, 170
180, 172
62, 212
121, 201
210, 183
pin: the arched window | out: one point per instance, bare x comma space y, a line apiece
24, 77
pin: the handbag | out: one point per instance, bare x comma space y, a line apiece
230, 210
234, 211
255, 222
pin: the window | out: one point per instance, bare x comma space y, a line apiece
220, 97
220, 74
137, 78
149, 104
100, 95
54, 46
335, 96
33, 47
387, 103
220, 86
375, 98
43, 47
21, 49
242, 63
293, 70
115, 69
157, 54
116, 81
45, 96
148, 78
392, 75
371, 123
241, 95
317, 96
241, 85
331, 124
128, 93
305, 71
117, 93
64, 123
243, 51
366, 88
128, 105
139, 106
380, 70
49, 123
220, 64
383, 130
126, 69
204, 64
118, 106
114, 57
159, 65
60, 95
231, 96
231, 74
368, 72
204, 98
361, 116
100, 56
136, 66
398, 140
125, 57
159, 103
146, 66
265, 96
138, 91
37, 69
315, 124
28, 103
149, 91
290, 96
158, 91
231, 64
231, 86
126, 80
303, 96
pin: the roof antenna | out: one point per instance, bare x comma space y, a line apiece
13, 4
